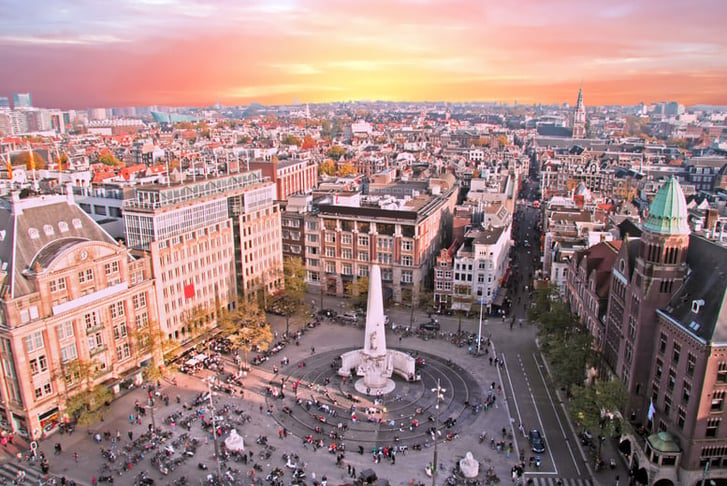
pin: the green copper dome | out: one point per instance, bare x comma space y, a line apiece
668, 212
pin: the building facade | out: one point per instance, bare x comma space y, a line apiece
208, 240
71, 295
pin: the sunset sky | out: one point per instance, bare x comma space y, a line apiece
105, 53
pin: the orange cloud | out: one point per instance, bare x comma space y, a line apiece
325, 50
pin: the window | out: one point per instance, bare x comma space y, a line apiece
672, 379
407, 276
691, 364
722, 373
95, 341
384, 258
111, 268
385, 243
363, 240
659, 368
65, 330
363, 270
712, 427
139, 301
90, 320
681, 417
330, 252
387, 274
330, 237
85, 276
407, 245
38, 365
346, 239
69, 353
346, 269
116, 310
717, 401
123, 352
686, 392
676, 353
34, 342
330, 267
141, 320
120, 330
43, 390
662, 343
363, 256
407, 260
347, 254
57, 285
667, 405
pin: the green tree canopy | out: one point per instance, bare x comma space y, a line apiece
291, 139
346, 169
106, 157
327, 167
23, 159
336, 152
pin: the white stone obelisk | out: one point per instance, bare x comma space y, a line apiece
375, 338
374, 362
376, 374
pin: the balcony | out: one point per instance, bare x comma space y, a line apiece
97, 350
94, 328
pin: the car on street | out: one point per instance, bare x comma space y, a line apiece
327, 313
537, 443
350, 316
432, 325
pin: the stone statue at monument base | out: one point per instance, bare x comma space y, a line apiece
469, 466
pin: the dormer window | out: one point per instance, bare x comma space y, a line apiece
48, 230
33, 233
76, 223
697, 305
63, 226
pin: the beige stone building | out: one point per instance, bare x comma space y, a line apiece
209, 241
70, 294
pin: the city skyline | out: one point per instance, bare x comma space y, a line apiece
75, 54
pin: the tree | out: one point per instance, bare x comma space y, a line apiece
308, 142
83, 406
346, 169
336, 152
599, 407
360, 291
23, 158
292, 140
246, 327
291, 300
565, 342
327, 167
502, 140
106, 157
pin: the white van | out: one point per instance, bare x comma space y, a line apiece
350, 316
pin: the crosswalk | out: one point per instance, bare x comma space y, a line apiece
548, 481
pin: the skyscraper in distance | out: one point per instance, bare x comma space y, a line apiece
4, 102
22, 100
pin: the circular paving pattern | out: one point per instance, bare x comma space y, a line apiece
404, 417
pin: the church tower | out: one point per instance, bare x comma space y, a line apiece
579, 117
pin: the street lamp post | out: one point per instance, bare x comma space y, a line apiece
479, 332
214, 431
151, 411
440, 394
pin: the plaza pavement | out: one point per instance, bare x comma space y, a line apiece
409, 469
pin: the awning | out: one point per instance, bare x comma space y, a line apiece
500, 297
